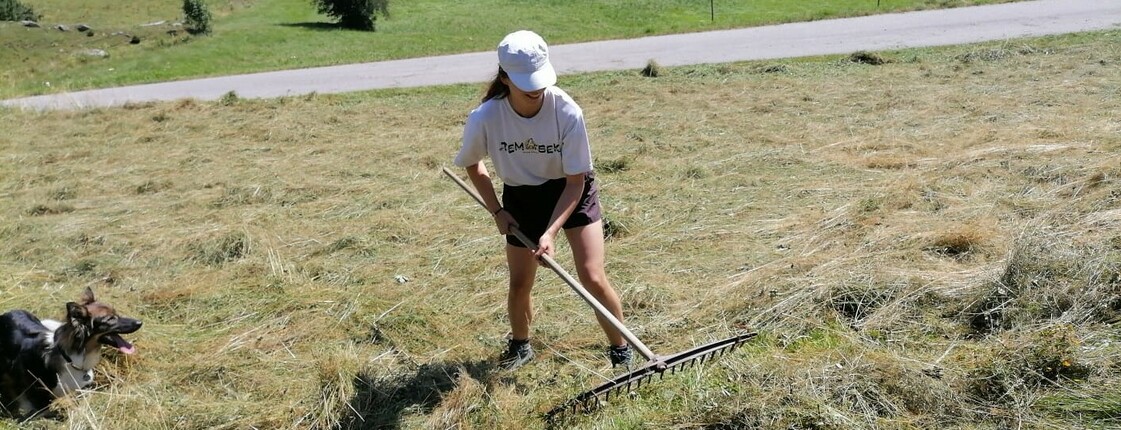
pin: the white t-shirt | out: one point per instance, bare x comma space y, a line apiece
528, 151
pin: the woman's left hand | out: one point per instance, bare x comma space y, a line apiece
544, 247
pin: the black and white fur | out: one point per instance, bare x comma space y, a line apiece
42, 360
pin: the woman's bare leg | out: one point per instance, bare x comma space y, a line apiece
589, 254
519, 301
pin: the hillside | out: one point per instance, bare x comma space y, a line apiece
931, 242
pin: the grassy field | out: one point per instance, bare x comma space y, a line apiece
928, 243
258, 35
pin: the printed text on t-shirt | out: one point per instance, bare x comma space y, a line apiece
530, 146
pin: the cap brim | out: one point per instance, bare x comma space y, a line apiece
543, 77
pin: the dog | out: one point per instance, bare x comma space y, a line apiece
43, 360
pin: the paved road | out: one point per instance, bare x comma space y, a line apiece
838, 36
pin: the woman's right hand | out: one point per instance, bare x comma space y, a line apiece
504, 220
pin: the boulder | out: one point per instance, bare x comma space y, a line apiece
94, 53
31, 24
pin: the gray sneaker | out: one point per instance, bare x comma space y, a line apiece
620, 355
517, 353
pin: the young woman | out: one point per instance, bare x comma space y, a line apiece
535, 136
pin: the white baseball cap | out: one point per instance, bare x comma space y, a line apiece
525, 58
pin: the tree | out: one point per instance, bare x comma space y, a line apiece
198, 17
355, 14
13, 10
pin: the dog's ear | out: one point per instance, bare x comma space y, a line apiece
77, 314
87, 296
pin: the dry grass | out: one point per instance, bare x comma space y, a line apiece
301, 263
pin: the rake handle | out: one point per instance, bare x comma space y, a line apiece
568, 279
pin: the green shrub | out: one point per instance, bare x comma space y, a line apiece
13, 10
197, 17
355, 14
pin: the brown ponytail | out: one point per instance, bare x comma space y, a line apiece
497, 88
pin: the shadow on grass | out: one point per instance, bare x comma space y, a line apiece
321, 26
380, 402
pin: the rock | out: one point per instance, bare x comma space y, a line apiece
31, 24
61, 27
153, 24
82, 27
94, 53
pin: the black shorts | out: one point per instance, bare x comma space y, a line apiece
532, 207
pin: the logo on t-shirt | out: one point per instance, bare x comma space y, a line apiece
530, 147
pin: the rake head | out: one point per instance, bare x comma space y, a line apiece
626, 383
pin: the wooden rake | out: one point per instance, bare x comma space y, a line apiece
632, 380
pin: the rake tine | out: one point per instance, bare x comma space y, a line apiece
683, 361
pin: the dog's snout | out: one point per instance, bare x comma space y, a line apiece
129, 325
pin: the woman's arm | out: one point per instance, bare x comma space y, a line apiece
569, 198
480, 178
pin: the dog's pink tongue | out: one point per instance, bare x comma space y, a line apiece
122, 345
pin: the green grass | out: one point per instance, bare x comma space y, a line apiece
1092, 406
260, 35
